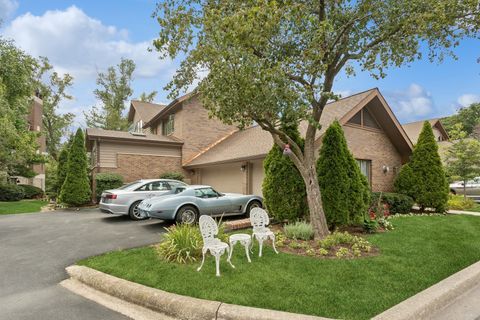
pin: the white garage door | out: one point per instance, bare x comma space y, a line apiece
224, 178
257, 177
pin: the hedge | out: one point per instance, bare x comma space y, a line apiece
397, 203
31, 192
172, 175
11, 192
106, 181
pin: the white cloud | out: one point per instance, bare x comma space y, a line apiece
7, 8
467, 99
411, 103
81, 45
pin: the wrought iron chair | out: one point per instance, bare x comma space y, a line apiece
209, 229
259, 220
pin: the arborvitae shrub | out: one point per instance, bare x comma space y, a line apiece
76, 188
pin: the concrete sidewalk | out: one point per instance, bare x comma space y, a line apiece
471, 213
464, 307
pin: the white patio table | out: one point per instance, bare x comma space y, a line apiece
244, 239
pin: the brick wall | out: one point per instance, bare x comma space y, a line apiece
134, 167
375, 146
198, 131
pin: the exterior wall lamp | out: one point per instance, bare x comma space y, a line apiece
243, 167
385, 169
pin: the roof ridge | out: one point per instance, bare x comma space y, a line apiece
210, 146
353, 95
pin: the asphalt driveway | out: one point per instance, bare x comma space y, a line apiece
36, 248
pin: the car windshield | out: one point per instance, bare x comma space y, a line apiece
128, 185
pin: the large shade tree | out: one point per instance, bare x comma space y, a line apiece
260, 58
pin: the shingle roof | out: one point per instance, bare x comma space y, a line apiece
92, 133
146, 110
256, 143
167, 109
413, 129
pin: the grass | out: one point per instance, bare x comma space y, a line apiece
476, 208
23, 206
421, 251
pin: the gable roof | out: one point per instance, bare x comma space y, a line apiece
168, 109
255, 143
100, 134
145, 110
413, 129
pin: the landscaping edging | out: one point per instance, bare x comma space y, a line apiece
174, 305
434, 298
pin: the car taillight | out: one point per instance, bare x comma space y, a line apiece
111, 196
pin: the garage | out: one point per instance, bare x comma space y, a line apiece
224, 177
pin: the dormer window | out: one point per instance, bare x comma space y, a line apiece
168, 125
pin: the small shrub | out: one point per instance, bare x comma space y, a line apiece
172, 175
342, 253
370, 225
181, 244
300, 230
457, 202
323, 251
106, 181
280, 239
11, 192
31, 192
397, 203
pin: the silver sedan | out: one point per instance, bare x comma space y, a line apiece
189, 202
125, 200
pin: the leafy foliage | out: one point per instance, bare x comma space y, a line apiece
18, 144
76, 187
459, 202
181, 244
265, 59
31, 192
299, 230
148, 97
463, 156
106, 181
397, 203
51, 178
114, 90
172, 175
468, 118
11, 192
343, 190
405, 181
62, 167
283, 187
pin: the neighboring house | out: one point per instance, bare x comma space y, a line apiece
35, 124
413, 130
231, 160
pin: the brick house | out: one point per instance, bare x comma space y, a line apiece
35, 124
182, 137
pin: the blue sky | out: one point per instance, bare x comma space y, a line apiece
84, 37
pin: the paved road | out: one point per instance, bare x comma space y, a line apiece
36, 248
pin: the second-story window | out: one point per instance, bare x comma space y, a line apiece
168, 125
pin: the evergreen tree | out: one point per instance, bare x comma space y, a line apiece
345, 192
405, 181
62, 168
283, 187
76, 188
431, 187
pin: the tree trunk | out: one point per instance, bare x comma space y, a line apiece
317, 216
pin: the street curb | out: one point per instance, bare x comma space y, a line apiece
434, 298
174, 305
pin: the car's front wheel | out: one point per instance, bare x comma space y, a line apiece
134, 213
251, 205
187, 215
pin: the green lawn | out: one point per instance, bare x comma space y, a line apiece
23, 206
476, 208
420, 251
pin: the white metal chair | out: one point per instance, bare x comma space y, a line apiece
259, 220
209, 229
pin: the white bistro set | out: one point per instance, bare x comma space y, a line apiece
209, 229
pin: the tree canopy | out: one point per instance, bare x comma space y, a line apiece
468, 118
254, 60
114, 89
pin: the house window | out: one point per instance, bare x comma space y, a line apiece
365, 119
366, 168
168, 125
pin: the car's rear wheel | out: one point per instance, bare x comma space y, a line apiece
251, 205
134, 213
187, 215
